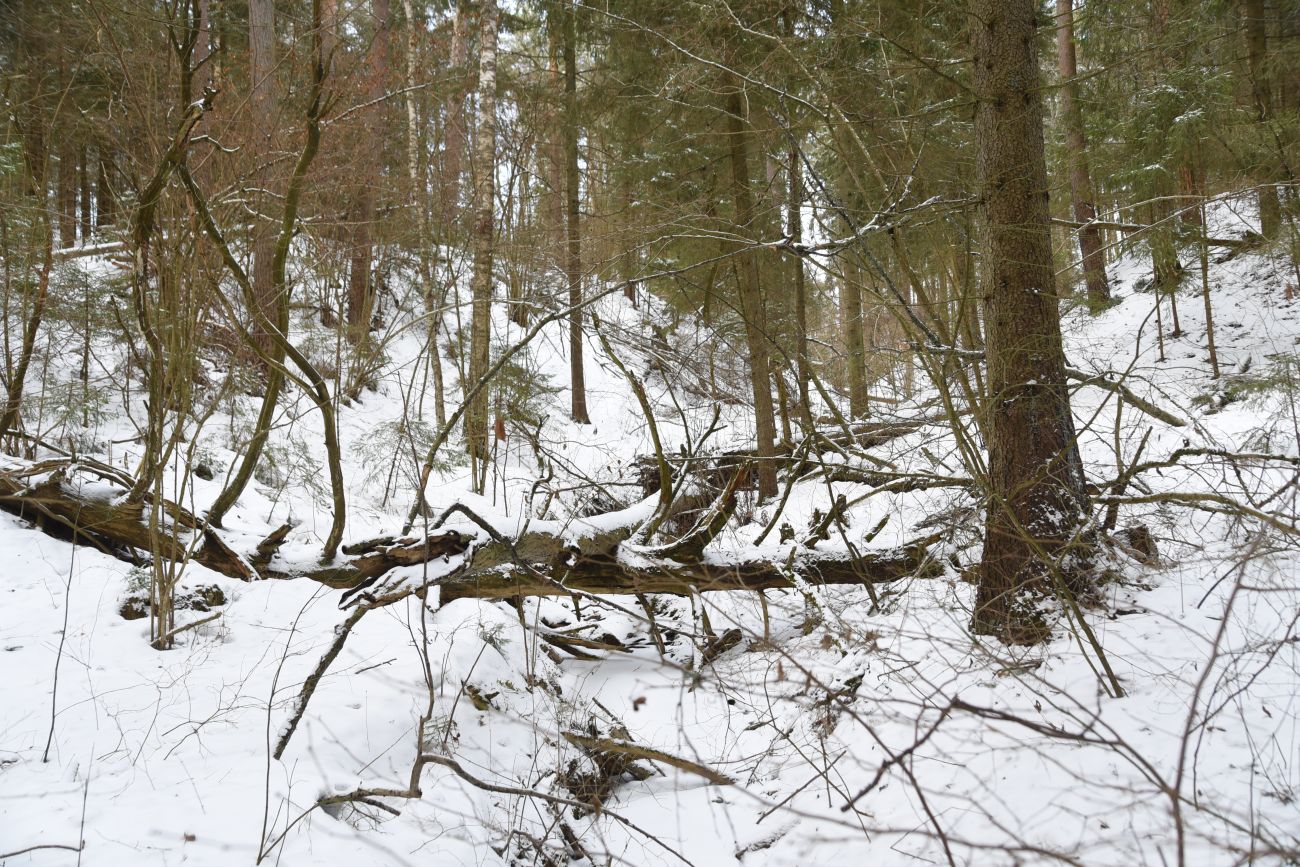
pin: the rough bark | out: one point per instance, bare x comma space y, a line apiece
1035, 476
1076, 145
476, 434
751, 291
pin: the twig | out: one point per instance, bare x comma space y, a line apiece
18, 852
163, 639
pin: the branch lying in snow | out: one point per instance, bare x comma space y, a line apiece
6, 855
110, 523
1126, 395
1209, 502
1097, 379
162, 641
341, 633
1137, 228
91, 250
637, 751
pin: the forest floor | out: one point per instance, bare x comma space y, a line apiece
848, 730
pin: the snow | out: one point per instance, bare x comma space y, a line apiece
946, 746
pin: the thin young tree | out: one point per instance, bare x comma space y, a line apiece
476, 422
573, 216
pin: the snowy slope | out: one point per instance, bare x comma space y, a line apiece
853, 732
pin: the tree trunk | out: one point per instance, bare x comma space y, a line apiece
803, 367
419, 192
9, 419
476, 432
83, 186
455, 129
261, 70
794, 228
854, 344
361, 294
1076, 144
573, 214
751, 292
1270, 209
202, 61
67, 193
1035, 475
104, 195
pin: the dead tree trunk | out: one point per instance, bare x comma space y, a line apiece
1035, 476
539, 563
851, 324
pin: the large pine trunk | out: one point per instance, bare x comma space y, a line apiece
1076, 144
481, 280
1035, 478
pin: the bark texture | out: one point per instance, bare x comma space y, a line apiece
1035, 476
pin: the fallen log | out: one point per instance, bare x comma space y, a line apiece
606, 575
714, 470
102, 517
537, 563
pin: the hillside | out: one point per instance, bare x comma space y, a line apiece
817, 724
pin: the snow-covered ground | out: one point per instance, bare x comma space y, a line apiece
852, 732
